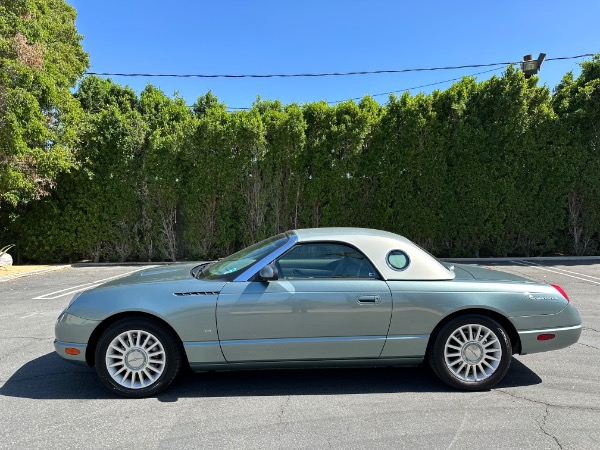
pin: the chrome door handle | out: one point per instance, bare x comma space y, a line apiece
368, 299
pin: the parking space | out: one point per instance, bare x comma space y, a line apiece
546, 401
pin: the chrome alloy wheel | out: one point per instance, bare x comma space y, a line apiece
472, 352
135, 359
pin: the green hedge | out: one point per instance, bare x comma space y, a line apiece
500, 167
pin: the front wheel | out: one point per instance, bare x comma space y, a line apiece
137, 358
471, 353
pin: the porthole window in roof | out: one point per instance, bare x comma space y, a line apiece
398, 260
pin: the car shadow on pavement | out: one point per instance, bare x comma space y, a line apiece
49, 377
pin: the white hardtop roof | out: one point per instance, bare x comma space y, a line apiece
376, 245
312, 234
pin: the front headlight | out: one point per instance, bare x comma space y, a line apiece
64, 311
75, 297
61, 315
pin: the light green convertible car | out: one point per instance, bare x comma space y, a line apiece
323, 297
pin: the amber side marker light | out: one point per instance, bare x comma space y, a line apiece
72, 351
545, 337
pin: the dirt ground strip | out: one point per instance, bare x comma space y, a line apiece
17, 270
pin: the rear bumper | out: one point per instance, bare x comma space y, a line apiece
563, 337
564, 325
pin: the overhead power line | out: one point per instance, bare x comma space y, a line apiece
418, 87
235, 108
326, 74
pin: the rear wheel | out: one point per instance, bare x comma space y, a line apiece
471, 353
137, 358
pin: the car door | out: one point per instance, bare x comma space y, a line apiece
328, 303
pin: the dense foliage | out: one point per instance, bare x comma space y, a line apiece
500, 167
41, 59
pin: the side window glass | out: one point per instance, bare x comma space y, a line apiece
324, 260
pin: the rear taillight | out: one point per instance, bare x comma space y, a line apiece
562, 291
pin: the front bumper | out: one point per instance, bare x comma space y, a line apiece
61, 349
73, 332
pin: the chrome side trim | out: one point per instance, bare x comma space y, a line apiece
414, 336
201, 344
181, 294
308, 363
303, 340
549, 330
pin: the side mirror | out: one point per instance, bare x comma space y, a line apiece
269, 273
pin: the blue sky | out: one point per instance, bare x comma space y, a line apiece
263, 37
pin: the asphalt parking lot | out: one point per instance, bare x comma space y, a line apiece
547, 400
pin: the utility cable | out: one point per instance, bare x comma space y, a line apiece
390, 92
417, 87
326, 74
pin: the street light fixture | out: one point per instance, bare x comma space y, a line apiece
530, 66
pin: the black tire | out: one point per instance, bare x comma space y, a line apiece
483, 360
151, 358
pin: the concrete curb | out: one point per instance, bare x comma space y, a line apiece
523, 258
33, 272
108, 264
125, 264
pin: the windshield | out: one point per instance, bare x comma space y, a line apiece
228, 268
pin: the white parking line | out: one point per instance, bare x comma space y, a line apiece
557, 272
567, 271
64, 294
82, 287
30, 315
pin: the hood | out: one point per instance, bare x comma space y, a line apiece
160, 290
469, 272
175, 272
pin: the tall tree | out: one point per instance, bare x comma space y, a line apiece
41, 59
94, 212
210, 198
284, 179
159, 185
577, 103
